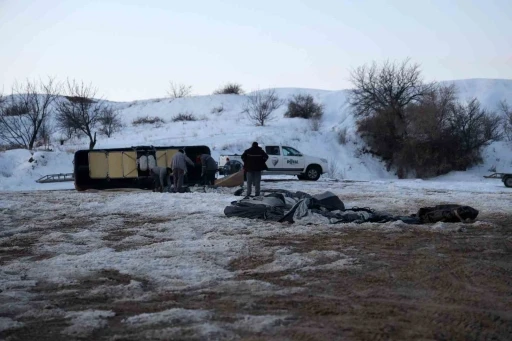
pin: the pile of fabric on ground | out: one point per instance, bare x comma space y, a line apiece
326, 208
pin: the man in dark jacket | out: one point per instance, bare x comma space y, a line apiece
208, 169
254, 160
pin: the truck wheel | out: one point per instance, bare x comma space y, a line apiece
508, 181
313, 173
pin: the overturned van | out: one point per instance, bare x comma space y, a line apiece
129, 167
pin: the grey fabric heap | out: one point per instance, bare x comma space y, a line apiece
256, 208
327, 208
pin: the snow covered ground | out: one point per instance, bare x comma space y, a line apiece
138, 265
142, 265
223, 127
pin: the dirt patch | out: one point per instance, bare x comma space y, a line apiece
446, 285
17, 247
403, 283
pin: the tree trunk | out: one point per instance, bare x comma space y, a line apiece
92, 142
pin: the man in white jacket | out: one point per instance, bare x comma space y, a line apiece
179, 167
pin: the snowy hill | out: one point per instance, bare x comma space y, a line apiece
488, 91
225, 129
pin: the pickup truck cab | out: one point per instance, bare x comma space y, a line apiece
285, 160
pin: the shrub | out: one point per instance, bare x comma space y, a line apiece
304, 106
506, 112
184, 116
333, 169
315, 123
148, 120
342, 136
418, 128
217, 110
230, 89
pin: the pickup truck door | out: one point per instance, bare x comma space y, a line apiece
275, 159
292, 158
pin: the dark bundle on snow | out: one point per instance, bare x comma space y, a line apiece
285, 206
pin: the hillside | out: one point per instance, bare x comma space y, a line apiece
229, 131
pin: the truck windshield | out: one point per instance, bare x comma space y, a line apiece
289, 151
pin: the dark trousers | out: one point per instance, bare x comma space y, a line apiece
177, 176
209, 177
160, 187
253, 178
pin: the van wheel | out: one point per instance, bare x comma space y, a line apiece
313, 173
508, 181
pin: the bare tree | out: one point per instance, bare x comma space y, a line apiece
473, 126
506, 112
177, 90
428, 120
381, 99
45, 134
390, 87
80, 110
260, 106
26, 110
109, 121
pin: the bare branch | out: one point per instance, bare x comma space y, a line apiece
390, 87
260, 106
110, 121
177, 90
506, 112
79, 110
27, 109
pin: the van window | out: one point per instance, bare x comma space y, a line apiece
272, 150
289, 151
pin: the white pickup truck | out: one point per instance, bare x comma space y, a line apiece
284, 160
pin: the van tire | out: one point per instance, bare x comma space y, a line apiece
313, 173
507, 181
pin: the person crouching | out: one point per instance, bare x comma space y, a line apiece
161, 178
208, 169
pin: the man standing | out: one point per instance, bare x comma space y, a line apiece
208, 169
179, 167
161, 177
254, 160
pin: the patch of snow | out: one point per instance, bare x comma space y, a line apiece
259, 323
8, 323
169, 317
83, 323
202, 331
339, 264
446, 227
304, 261
132, 291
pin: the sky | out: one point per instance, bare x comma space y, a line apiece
131, 50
